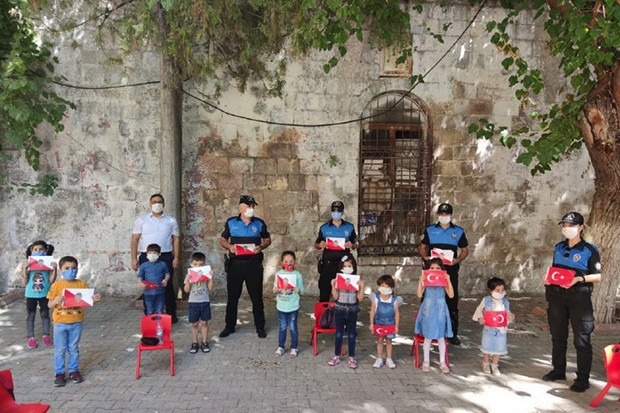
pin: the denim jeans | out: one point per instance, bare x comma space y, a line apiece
288, 320
66, 339
154, 304
346, 316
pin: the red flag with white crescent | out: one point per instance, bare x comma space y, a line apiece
434, 278
560, 276
496, 318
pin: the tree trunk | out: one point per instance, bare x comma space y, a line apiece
171, 118
600, 129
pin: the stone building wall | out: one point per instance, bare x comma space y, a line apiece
108, 160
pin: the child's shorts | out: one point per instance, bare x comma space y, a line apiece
199, 311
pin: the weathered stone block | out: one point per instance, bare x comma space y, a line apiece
288, 166
265, 166
480, 107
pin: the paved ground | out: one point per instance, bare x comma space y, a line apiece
241, 373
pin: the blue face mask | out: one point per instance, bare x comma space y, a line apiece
37, 254
69, 274
337, 215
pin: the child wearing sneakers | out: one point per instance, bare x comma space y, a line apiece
287, 301
384, 317
67, 322
38, 284
346, 307
433, 320
493, 338
199, 311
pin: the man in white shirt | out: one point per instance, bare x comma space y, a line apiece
163, 230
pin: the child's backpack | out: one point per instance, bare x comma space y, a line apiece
328, 320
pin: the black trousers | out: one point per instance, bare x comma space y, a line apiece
250, 272
574, 307
170, 298
328, 273
453, 303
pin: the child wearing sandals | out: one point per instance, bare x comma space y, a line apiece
493, 338
384, 314
199, 306
287, 302
346, 308
433, 320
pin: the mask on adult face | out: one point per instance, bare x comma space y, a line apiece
69, 274
157, 208
385, 290
347, 270
570, 232
337, 215
249, 213
445, 219
152, 257
498, 296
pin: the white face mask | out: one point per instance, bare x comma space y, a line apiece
498, 296
445, 219
157, 208
570, 232
152, 257
385, 290
249, 213
347, 270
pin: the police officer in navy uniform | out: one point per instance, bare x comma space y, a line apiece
245, 228
334, 228
445, 235
573, 303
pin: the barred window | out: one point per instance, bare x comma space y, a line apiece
395, 174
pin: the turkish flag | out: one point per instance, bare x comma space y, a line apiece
383, 331
245, 249
496, 318
40, 263
286, 281
198, 274
78, 297
335, 243
347, 282
151, 286
434, 278
560, 276
447, 256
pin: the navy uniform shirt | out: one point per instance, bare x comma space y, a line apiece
237, 232
583, 258
346, 230
451, 238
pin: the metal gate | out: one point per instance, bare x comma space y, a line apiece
395, 174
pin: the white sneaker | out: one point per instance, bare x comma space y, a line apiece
390, 363
378, 363
486, 367
279, 352
495, 370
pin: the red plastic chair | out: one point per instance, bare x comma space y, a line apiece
7, 398
318, 311
148, 325
611, 361
418, 339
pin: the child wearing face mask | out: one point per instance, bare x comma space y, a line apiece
153, 277
433, 320
37, 284
67, 322
493, 338
384, 315
346, 308
287, 301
